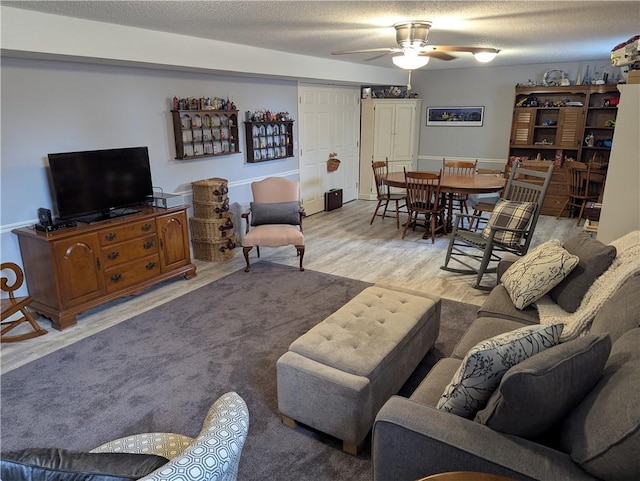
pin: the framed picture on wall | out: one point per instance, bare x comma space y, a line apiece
455, 116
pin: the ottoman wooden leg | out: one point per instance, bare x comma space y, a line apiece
353, 449
287, 421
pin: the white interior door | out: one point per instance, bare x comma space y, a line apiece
329, 121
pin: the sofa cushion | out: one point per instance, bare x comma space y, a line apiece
499, 304
602, 433
432, 386
61, 465
595, 258
522, 404
512, 215
482, 329
619, 314
275, 213
532, 276
485, 364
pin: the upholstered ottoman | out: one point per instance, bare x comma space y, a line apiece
338, 375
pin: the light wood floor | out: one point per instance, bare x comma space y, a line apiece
340, 242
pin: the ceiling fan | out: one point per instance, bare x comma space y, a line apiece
413, 51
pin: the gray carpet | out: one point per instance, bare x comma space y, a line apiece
161, 370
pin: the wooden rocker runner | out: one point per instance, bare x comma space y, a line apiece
13, 305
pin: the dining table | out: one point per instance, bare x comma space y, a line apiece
451, 184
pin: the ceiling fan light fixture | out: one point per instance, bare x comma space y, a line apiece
409, 62
486, 56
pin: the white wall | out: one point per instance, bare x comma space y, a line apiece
621, 201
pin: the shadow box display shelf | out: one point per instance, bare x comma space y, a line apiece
268, 140
205, 133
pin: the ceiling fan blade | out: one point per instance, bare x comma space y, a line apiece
367, 50
377, 57
453, 48
438, 55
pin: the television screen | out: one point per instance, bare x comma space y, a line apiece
100, 183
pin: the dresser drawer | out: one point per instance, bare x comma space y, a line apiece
131, 273
116, 254
121, 233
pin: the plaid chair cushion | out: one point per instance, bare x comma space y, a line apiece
512, 215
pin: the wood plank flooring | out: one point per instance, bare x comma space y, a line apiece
340, 242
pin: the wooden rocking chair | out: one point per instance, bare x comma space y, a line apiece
13, 305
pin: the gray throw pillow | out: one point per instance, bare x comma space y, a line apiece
275, 213
537, 393
595, 258
602, 433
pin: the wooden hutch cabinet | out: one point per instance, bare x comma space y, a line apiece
76, 269
553, 124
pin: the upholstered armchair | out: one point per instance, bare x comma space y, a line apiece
214, 454
275, 217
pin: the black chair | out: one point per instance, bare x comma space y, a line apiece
509, 229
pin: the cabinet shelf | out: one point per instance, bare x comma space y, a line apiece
205, 133
570, 124
268, 140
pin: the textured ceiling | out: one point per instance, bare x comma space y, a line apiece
525, 31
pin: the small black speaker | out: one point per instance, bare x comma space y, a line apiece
44, 216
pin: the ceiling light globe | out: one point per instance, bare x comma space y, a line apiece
409, 63
485, 57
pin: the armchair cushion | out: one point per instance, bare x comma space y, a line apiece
275, 213
510, 215
537, 393
485, 364
595, 258
532, 276
61, 465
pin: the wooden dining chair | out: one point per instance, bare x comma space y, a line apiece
579, 188
459, 167
423, 197
12, 306
385, 196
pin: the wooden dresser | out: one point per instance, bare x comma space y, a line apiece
76, 269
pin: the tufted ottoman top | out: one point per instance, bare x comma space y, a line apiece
362, 336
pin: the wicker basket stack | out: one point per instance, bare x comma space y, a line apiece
211, 226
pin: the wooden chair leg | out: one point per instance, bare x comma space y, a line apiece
245, 251
300, 250
564, 206
26, 317
375, 212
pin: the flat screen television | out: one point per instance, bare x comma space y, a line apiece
100, 184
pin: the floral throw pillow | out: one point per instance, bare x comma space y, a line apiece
531, 277
511, 215
482, 368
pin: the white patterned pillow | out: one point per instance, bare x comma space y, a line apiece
531, 277
511, 215
484, 365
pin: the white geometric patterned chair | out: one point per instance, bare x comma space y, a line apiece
214, 454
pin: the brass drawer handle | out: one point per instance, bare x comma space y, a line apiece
110, 236
114, 255
150, 266
146, 227
116, 278
148, 245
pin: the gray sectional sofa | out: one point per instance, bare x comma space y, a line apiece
571, 411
